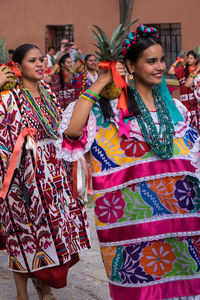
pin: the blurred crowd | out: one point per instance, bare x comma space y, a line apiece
68, 71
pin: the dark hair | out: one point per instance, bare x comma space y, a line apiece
88, 56
134, 53
21, 51
50, 47
194, 54
11, 51
62, 61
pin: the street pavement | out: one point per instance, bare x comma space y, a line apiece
86, 280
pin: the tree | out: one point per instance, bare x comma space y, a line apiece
125, 8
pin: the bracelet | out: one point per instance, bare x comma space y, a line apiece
90, 96
174, 65
192, 75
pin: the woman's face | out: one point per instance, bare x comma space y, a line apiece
149, 68
67, 65
191, 60
91, 63
32, 66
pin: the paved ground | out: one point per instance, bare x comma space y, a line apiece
86, 280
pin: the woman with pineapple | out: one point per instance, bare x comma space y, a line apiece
145, 186
45, 225
183, 73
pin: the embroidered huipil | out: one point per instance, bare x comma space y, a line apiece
187, 98
146, 208
51, 229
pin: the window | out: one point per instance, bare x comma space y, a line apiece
170, 37
55, 33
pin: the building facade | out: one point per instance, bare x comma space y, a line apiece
45, 22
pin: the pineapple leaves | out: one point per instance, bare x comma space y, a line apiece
102, 34
115, 34
110, 50
130, 24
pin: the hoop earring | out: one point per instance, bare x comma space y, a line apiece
131, 80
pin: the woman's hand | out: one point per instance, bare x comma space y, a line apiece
5, 74
106, 76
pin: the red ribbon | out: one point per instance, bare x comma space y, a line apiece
11, 65
14, 159
119, 81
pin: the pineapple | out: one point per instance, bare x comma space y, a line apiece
110, 50
4, 61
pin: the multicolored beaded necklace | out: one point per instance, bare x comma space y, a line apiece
50, 122
84, 80
161, 142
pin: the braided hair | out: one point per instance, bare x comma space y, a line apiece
194, 54
62, 61
134, 46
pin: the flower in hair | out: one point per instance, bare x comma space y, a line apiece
141, 31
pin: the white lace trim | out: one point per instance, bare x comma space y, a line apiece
168, 279
91, 130
180, 128
153, 219
152, 158
138, 180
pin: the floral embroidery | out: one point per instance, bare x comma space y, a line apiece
185, 192
158, 258
108, 254
110, 207
130, 271
164, 188
133, 147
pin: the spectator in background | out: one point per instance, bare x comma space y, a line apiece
51, 57
186, 93
70, 48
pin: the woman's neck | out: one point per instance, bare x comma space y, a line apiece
146, 95
32, 86
93, 72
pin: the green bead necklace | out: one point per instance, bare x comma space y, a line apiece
50, 122
161, 142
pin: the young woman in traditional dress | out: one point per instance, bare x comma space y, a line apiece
45, 226
83, 80
145, 187
186, 93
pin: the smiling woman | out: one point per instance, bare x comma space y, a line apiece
145, 187
45, 226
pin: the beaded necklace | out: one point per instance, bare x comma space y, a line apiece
84, 80
161, 142
51, 122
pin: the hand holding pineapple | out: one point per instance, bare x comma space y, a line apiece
6, 75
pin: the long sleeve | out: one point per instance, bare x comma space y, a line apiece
72, 149
10, 127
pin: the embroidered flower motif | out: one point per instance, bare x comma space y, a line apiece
158, 258
130, 271
185, 193
133, 147
110, 207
